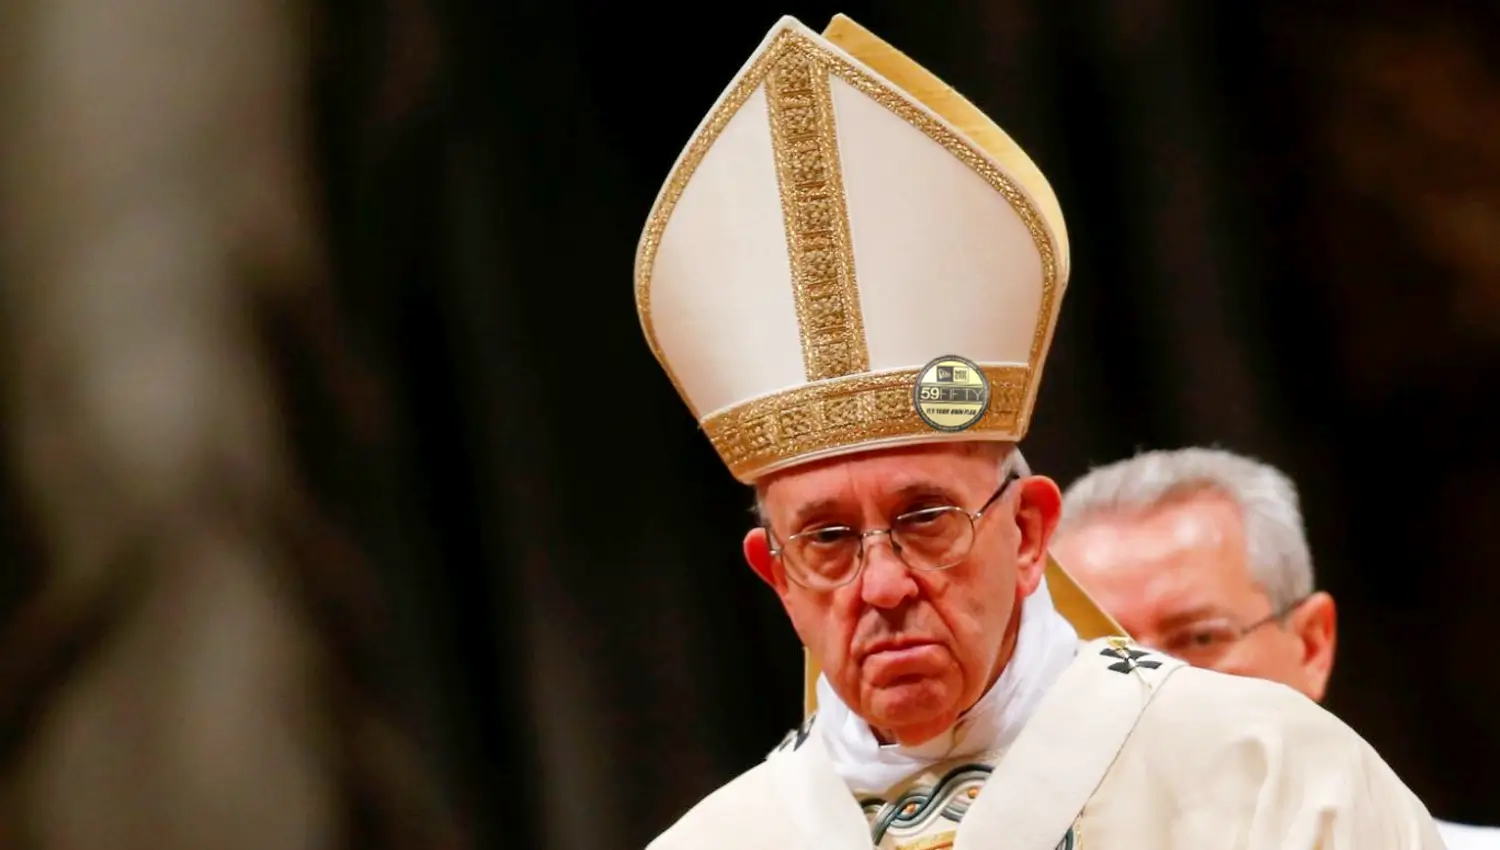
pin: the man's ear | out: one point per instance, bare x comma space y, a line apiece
758, 556
1038, 509
1315, 623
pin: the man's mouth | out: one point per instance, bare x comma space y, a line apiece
896, 645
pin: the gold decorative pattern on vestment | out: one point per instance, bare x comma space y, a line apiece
941, 841
816, 215
842, 412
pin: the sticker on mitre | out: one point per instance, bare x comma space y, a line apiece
951, 394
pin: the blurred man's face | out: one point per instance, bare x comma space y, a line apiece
1177, 578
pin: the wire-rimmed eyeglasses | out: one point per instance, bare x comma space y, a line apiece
926, 540
1205, 642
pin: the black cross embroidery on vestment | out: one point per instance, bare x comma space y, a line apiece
803, 732
797, 737
1130, 659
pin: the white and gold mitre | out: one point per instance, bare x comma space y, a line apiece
839, 220
841, 229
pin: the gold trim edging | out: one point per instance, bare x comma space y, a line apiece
844, 412
900, 106
940, 841
816, 215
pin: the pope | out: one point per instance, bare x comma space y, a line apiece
852, 278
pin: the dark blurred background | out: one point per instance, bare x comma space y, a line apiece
508, 621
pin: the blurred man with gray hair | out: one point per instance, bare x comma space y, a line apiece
1202, 553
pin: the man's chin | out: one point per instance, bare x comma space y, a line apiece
919, 708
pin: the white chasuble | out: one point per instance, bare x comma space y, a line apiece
1128, 750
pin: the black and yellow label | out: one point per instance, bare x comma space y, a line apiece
951, 394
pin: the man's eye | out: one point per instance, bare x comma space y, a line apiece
1202, 639
1199, 639
826, 536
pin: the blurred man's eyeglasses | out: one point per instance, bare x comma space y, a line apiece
928, 539
1202, 644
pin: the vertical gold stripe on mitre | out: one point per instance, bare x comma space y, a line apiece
816, 215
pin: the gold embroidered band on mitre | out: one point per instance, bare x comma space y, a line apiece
772, 431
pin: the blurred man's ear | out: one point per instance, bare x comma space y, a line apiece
1315, 623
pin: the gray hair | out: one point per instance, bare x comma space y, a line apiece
1279, 557
1008, 456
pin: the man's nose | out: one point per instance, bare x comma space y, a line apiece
886, 581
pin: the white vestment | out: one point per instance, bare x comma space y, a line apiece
1126, 749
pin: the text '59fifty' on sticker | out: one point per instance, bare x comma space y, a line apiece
951, 393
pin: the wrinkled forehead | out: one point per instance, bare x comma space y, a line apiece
1121, 539
1184, 554
944, 468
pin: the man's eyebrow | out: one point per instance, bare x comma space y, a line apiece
819, 508
919, 489
812, 510
1195, 614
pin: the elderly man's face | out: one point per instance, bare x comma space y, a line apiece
1177, 577
908, 650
